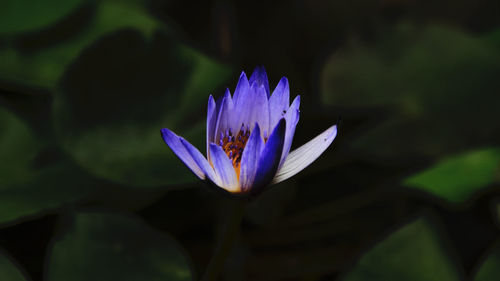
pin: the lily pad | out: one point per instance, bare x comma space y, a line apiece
120, 92
27, 186
8, 270
18, 149
105, 246
458, 177
414, 252
44, 67
17, 16
50, 188
490, 268
427, 79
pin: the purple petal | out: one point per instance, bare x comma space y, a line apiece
259, 76
301, 157
253, 107
243, 86
201, 161
250, 159
292, 118
225, 119
211, 122
175, 143
279, 102
270, 157
224, 169
221, 99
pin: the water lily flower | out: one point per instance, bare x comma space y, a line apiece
249, 136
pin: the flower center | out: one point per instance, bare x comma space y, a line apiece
233, 145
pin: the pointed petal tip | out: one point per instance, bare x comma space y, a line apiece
243, 75
296, 103
184, 152
330, 134
259, 70
212, 101
297, 98
242, 86
303, 156
259, 75
284, 82
333, 131
166, 133
211, 107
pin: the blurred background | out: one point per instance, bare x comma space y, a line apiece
409, 190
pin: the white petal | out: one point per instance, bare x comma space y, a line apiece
301, 157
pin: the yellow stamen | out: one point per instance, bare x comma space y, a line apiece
234, 146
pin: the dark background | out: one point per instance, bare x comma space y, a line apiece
409, 190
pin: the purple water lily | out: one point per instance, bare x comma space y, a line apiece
249, 136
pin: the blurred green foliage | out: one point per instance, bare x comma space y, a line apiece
134, 86
28, 186
457, 178
42, 66
8, 270
26, 15
114, 247
490, 268
436, 83
89, 191
18, 144
414, 252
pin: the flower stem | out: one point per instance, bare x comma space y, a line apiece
225, 244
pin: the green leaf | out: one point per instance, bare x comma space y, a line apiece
29, 187
120, 92
428, 79
8, 270
50, 188
44, 67
17, 16
18, 149
413, 253
105, 246
490, 268
458, 177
